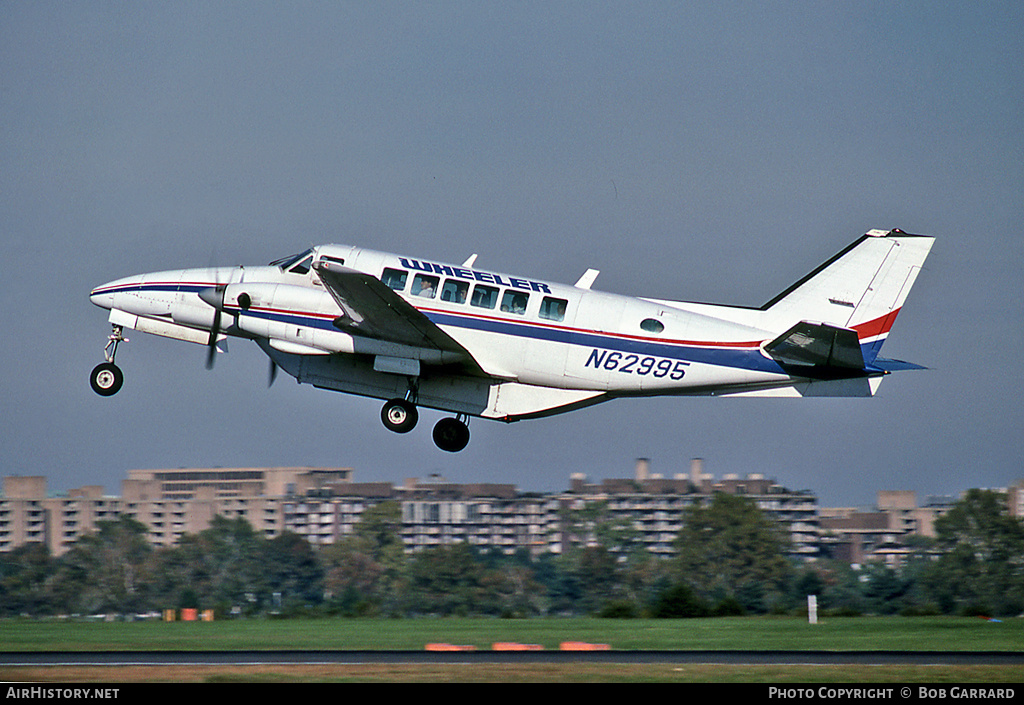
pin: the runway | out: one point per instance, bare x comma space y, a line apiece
758, 658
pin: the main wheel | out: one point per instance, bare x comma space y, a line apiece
106, 379
451, 435
399, 416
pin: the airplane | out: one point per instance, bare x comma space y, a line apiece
478, 343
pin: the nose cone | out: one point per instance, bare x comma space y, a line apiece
105, 295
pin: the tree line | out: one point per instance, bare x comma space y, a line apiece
730, 559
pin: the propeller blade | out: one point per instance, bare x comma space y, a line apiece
211, 348
273, 373
214, 296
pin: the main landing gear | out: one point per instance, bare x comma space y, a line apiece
106, 378
450, 434
399, 415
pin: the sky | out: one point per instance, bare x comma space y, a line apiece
699, 151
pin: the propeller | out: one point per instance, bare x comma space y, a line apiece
214, 296
273, 373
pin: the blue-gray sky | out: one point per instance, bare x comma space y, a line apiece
698, 151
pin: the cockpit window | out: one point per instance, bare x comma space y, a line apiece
299, 264
302, 266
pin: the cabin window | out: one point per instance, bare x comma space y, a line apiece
395, 278
652, 326
514, 302
425, 286
327, 259
454, 291
484, 296
553, 309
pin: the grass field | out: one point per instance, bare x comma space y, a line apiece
741, 633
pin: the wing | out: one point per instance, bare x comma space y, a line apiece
372, 310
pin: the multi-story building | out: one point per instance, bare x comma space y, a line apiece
654, 505
169, 502
325, 506
29, 515
880, 534
434, 513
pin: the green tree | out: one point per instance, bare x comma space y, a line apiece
512, 586
293, 571
26, 582
448, 580
381, 527
366, 573
223, 566
679, 602
108, 568
981, 569
730, 549
884, 589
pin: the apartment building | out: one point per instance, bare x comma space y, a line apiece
29, 515
169, 502
325, 505
879, 534
654, 504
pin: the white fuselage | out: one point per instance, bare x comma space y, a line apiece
539, 347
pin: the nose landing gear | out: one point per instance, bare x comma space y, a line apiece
106, 378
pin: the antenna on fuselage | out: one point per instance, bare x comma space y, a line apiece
587, 280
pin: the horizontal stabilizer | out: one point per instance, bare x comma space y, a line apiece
888, 365
818, 349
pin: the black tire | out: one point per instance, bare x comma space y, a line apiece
451, 435
106, 379
399, 416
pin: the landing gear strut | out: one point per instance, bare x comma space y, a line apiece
451, 434
106, 378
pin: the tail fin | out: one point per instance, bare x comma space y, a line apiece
862, 289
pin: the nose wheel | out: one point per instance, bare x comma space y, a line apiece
106, 378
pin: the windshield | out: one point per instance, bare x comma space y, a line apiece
286, 263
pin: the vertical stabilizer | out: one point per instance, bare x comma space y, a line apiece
862, 288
